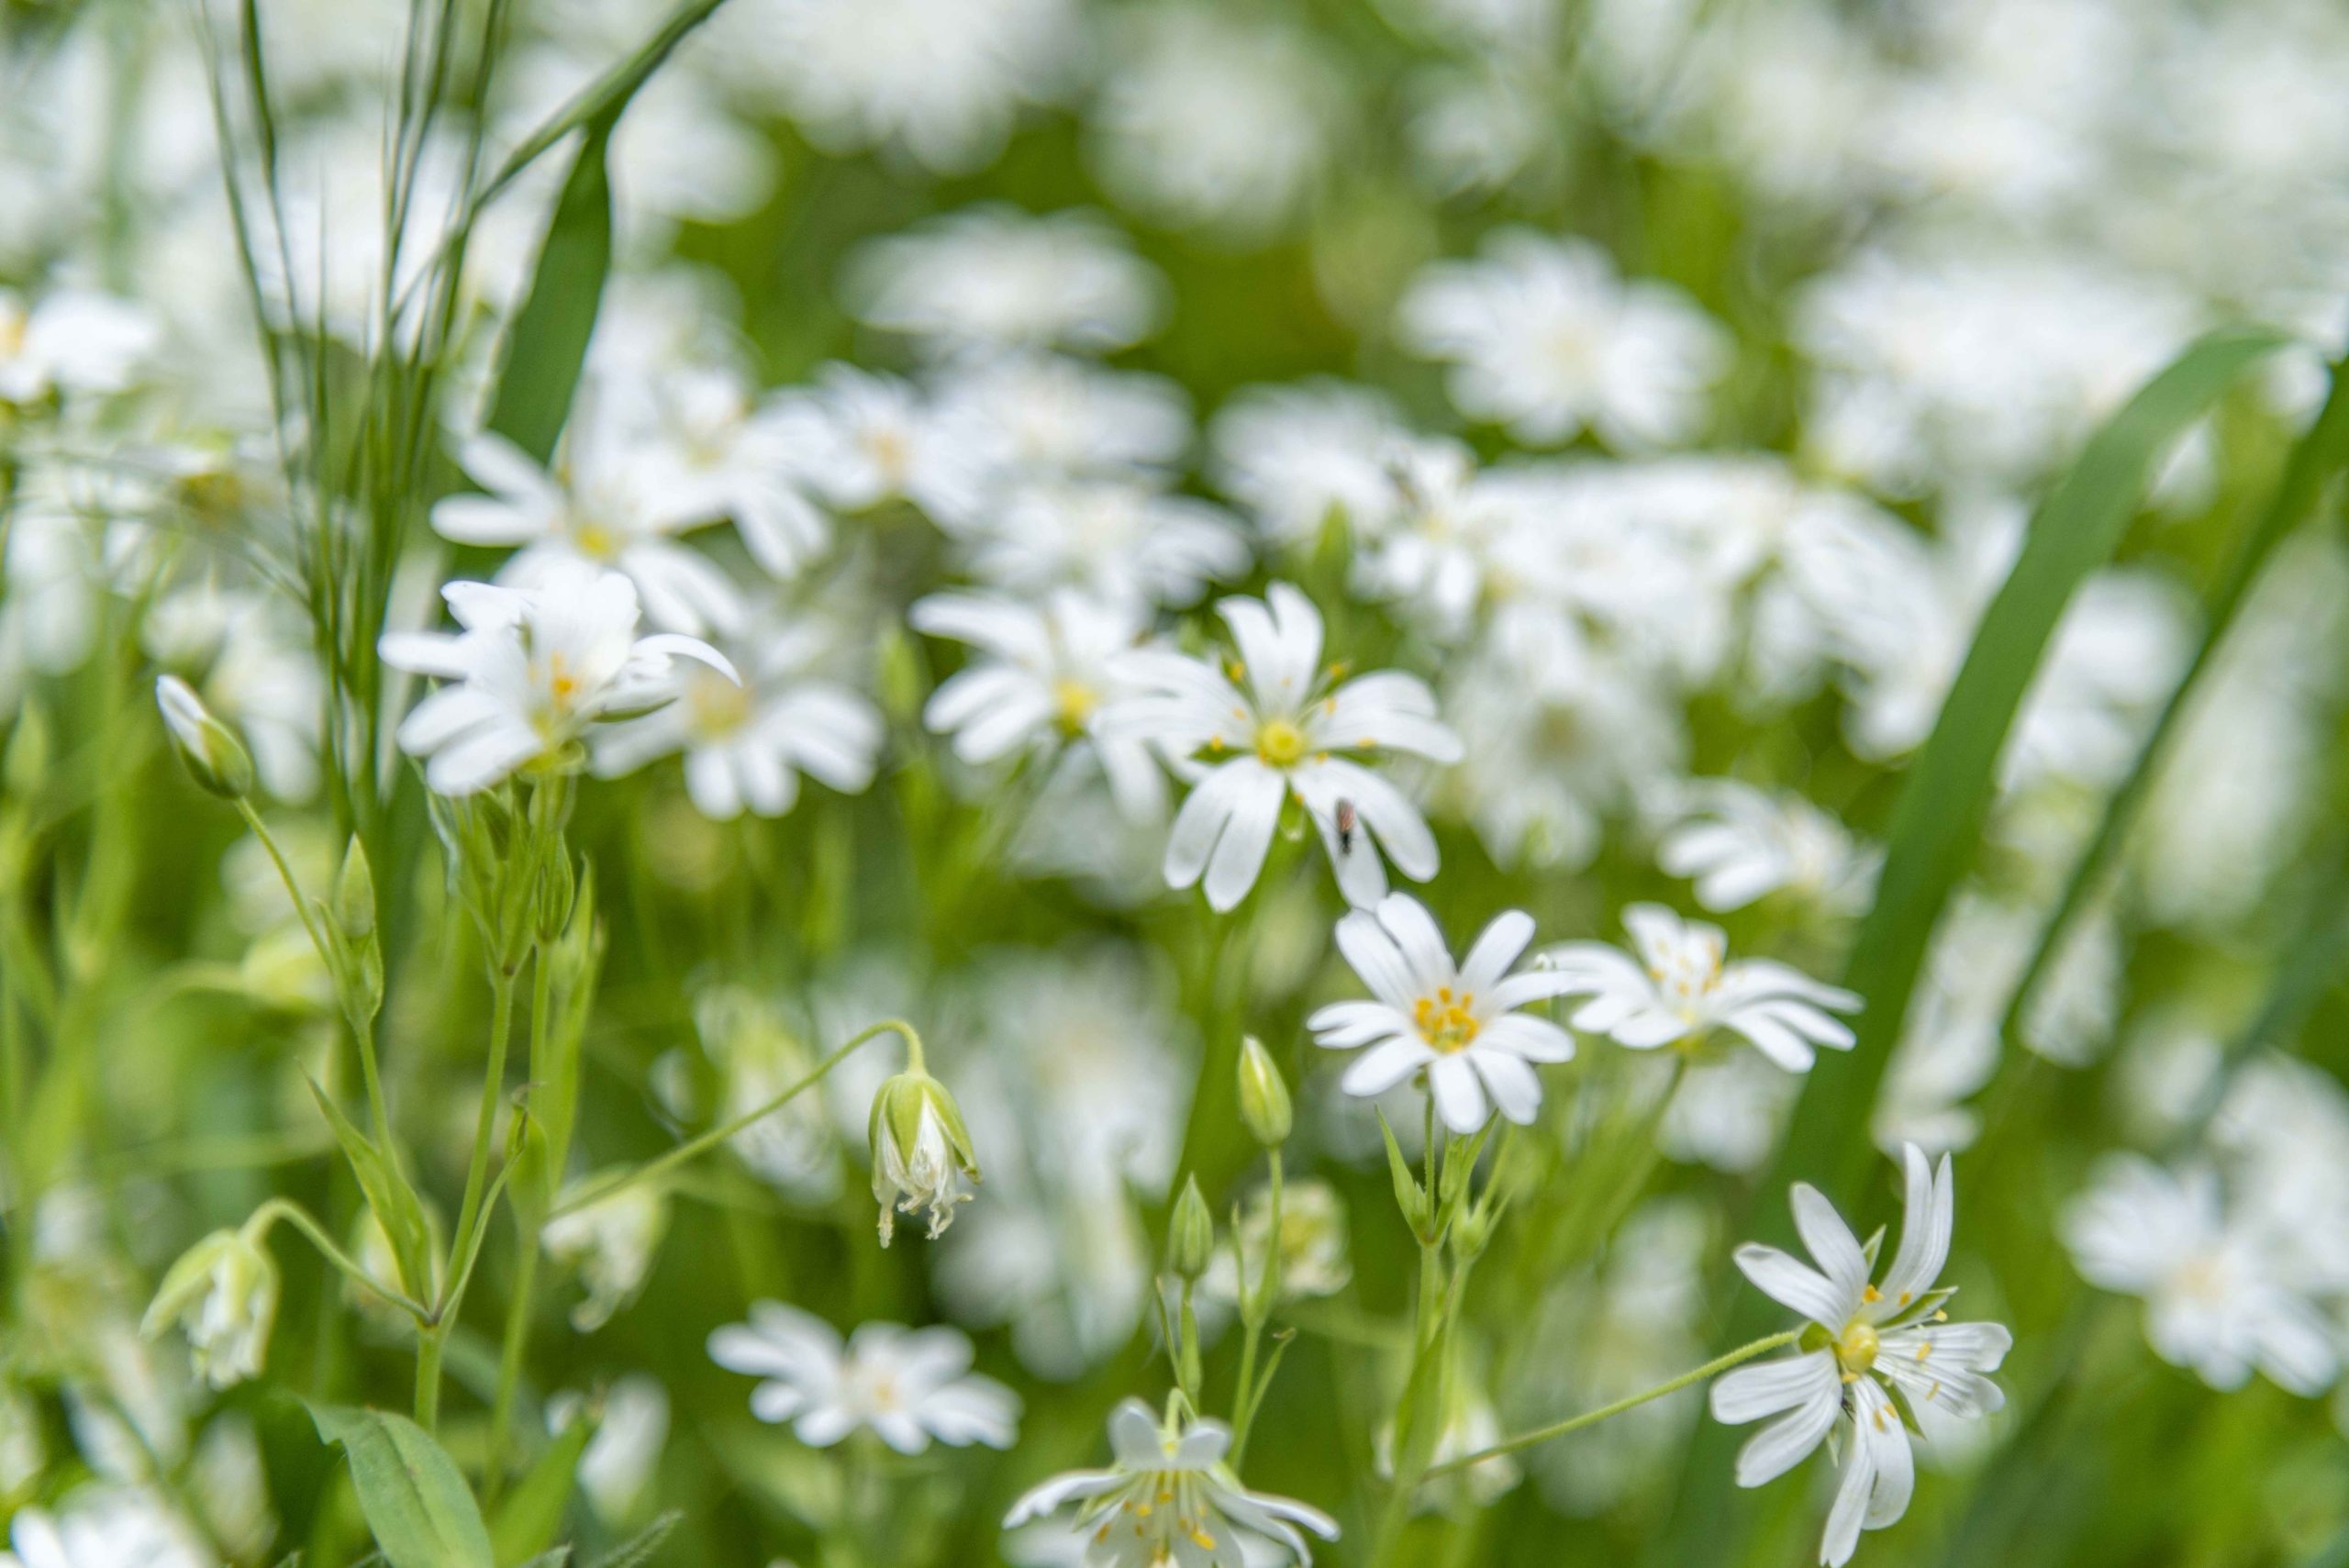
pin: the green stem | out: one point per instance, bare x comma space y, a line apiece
1255, 1308
258, 1225
596, 1192
509, 1370
1713, 1368
435, 1337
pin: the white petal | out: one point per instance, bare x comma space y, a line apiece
1794, 1285
1764, 1388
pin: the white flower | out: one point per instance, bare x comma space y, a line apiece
746, 742
858, 439
1546, 339
1208, 121
102, 1525
223, 1292
921, 1152
1281, 735
693, 448
1169, 1501
594, 512
1115, 538
1740, 844
617, 1465
2215, 1298
1678, 990
611, 1241
73, 341
1312, 1243
1866, 1343
908, 1386
992, 276
1041, 680
1457, 1024
1297, 455
941, 80
529, 672
1031, 415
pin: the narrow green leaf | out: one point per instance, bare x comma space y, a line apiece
1937, 825
547, 343
2319, 454
396, 1206
409, 1489
1936, 831
637, 1549
532, 1512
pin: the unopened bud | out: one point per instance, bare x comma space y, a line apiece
1190, 1234
210, 749
354, 893
1264, 1094
921, 1152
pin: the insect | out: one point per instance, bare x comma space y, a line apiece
1346, 827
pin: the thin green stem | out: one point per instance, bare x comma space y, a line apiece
258, 1225
1713, 1368
1256, 1307
509, 1370
693, 1147
493, 1088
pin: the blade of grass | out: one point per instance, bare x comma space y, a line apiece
1936, 830
2320, 453
547, 344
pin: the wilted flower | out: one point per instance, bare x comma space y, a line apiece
1169, 1499
1865, 1342
908, 1386
223, 1294
1679, 989
921, 1152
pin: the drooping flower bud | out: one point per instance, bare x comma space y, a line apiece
210, 749
1190, 1234
1264, 1094
223, 1294
921, 1152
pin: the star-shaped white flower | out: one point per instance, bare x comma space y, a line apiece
1277, 725
1680, 988
1169, 1501
910, 1385
1457, 1024
1866, 1343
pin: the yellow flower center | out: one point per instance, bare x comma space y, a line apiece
1446, 1022
716, 706
1073, 704
1280, 743
594, 539
1857, 1348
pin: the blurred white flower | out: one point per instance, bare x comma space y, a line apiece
907, 1385
1545, 339
857, 439
102, 1525
1208, 120
1459, 1024
1285, 728
1866, 1342
1312, 1243
72, 341
617, 1467
1171, 1480
941, 81
991, 276
2213, 1301
1739, 844
611, 1241
1032, 415
1297, 456
529, 670
746, 741
1042, 681
1679, 988
592, 513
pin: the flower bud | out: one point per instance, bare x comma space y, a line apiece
1190, 1234
922, 1152
1264, 1094
354, 893
223, 1293
210, 749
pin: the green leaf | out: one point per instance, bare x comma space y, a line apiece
414, 1501
1937, 825
1936, 830
638, 1549
532, 1512
547, 343
396, 1207
2316, 458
